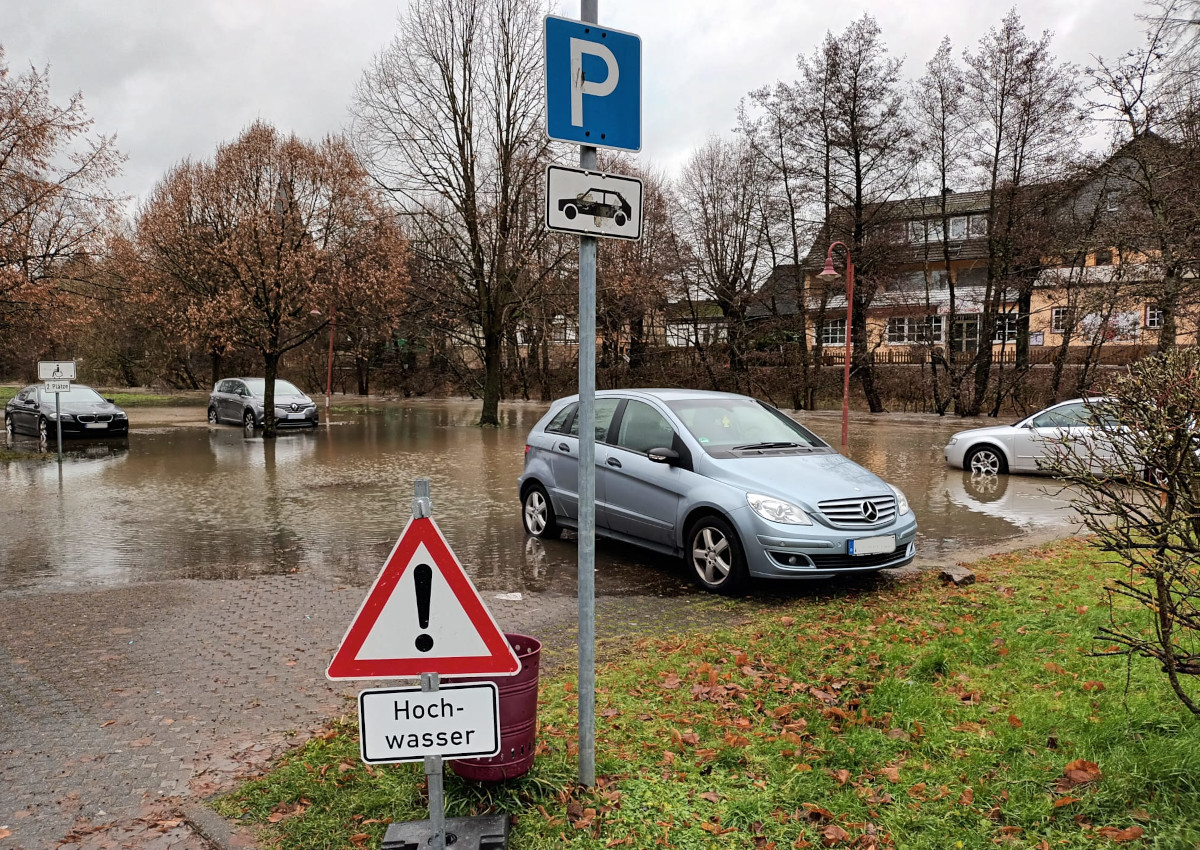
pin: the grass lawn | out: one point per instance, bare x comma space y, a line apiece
912, 715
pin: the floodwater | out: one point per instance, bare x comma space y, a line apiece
182, 499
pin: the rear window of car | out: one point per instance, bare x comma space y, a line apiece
558, 424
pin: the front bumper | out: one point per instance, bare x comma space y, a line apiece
91, 430
774, 550
287, 419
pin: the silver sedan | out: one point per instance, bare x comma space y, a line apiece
1027, 445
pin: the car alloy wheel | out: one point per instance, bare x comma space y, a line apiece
212, 416
248, 421
716, 556
43, 429
537, 514
986, 460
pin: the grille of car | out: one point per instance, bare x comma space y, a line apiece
94, 417
858, 513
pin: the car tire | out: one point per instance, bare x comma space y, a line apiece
213, 419
43, 429
570, 212
715, 555
986, 459
537, 514
248, 421
620, 219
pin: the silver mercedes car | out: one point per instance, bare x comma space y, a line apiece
733, 485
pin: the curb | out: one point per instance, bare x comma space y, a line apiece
215, 830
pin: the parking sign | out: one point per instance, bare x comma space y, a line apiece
593, 85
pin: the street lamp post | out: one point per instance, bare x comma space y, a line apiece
830, 274
329, 372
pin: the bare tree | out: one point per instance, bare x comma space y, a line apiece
1025, 121
1152, 522
449, 119
55, 206
720, 221
1153, 171
870, 164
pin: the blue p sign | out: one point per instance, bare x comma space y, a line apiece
593, 85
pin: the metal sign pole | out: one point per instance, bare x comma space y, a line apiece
422, 507
58, 422
588, 13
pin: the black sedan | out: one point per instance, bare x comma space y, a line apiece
85, 413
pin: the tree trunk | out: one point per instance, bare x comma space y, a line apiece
270, 370
493, 375
216, 366
362, 369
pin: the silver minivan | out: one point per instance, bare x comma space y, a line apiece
733, 485
241, 400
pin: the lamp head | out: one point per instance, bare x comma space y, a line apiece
829, 272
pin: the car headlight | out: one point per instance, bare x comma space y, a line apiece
777, 510
953, 440
901, 502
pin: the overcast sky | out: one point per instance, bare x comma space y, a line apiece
174, 79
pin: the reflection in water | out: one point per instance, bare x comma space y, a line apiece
212, 503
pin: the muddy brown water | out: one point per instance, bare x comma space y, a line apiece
182, 499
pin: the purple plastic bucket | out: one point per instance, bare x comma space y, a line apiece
518, 719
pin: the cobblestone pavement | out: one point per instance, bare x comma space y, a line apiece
121, 705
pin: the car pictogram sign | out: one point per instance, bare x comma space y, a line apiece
422, 615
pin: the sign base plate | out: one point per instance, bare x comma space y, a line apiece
486, 832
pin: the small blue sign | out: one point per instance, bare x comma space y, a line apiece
593, 85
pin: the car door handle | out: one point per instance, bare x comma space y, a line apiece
563, 447
612, 461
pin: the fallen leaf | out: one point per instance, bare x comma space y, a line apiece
968, 796
1093, 686
670, 682
1065, 801
1014, 721
833, 834
717, 829
786, 621
1132, 833
1055, 669
5, 833
1078, 772
815, 813
711, 796
891, 774
359, 838
842, 776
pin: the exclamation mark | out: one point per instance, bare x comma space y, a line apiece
423, 578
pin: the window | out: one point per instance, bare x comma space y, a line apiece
605, 408
1154, 317
1060, 319
834, 333
559, 423
1006, 328
1104, 257
911, 329
977, 226
564, 331
916, 231
1066, 416
958, 227
965, 335
643, 428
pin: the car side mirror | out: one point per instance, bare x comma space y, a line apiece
110, 401
668, 456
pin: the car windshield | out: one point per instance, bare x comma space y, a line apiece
259, 385
76, 395
727, 424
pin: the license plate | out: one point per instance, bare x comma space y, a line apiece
295, 416
95, 424
873, 545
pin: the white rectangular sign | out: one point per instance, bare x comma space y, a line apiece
593, 203
56, 370
407, 724
56, 387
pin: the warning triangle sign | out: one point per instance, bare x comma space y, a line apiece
422, 615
